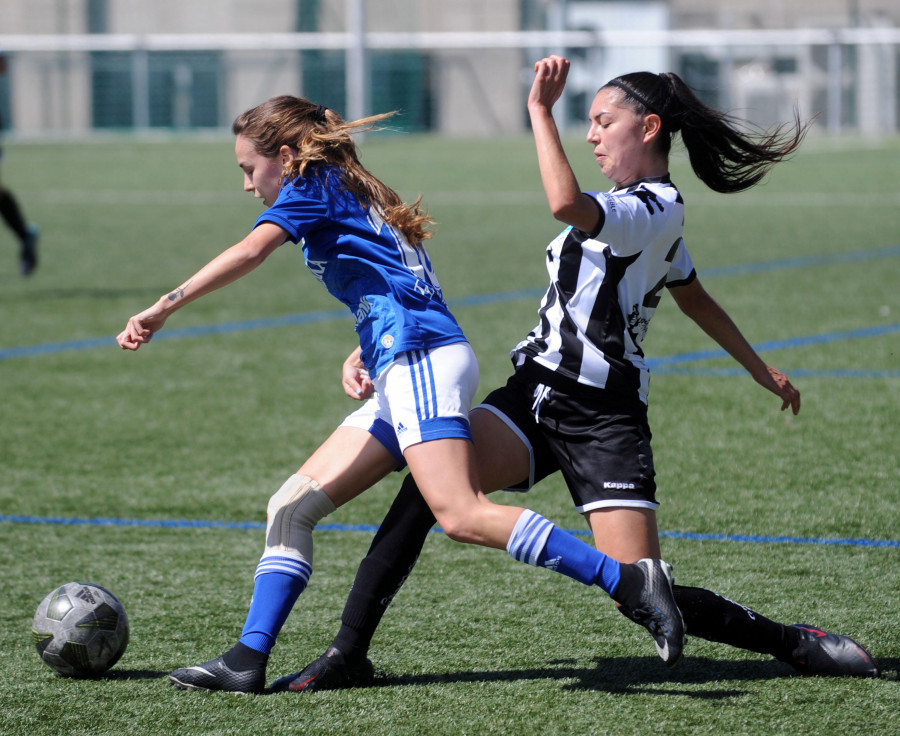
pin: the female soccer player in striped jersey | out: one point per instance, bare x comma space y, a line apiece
577, 401
365, 246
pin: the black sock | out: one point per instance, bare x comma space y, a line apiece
387, 564
631, 583
241, 658
9, 210
710, 616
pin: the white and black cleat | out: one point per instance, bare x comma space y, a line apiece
216, 675
657, 611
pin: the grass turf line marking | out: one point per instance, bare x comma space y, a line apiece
477, 300
665, 365
791, 342
194, 524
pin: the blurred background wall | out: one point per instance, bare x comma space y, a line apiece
458, 67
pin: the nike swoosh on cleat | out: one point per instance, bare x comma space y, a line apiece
818, 632
303, 684
200, 669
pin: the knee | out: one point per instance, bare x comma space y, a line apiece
292, 513
459, 526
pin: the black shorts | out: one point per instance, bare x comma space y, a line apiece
599, 441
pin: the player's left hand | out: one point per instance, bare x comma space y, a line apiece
782, 387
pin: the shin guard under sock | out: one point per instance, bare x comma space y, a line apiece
537, 541
274, 595
710, 616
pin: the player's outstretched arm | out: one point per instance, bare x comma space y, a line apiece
225, 268
697, 304
567, 202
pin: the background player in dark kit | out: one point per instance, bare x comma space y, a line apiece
11, 213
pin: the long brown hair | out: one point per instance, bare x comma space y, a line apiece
726, 153
319, 136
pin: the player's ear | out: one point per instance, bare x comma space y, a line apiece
286, 154
652, 126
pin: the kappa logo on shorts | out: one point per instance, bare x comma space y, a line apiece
618, 486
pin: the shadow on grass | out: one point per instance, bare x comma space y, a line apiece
632, 675
622, 675
643, 675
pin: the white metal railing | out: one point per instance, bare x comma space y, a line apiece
881, 43
450, 40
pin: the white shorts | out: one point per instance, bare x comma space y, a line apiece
423, 395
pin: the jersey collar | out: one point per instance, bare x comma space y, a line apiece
664, 179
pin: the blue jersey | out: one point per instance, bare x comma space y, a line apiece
388, 284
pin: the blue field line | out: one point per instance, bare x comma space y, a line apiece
475, 300
369, 528
221, 328
792, 342
694, 371
858, 256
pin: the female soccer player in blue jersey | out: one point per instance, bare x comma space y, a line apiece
365, 246
577, 402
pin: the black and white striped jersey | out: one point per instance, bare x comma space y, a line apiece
605, 286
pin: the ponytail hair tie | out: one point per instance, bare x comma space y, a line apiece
320, 113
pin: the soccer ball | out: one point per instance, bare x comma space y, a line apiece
80, 630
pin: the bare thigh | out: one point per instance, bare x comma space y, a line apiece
625, 534
445, 472
347, 463
501, 458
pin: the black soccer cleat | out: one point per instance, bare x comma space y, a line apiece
822, 653
216, 675
331, 671
657, 611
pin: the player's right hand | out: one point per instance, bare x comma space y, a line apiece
550, 75
140, 328
356, 381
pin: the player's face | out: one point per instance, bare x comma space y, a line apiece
262, 175
617, 135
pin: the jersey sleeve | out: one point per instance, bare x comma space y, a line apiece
682, 271
632, 220
297, 211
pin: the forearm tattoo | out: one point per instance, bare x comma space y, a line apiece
179, 292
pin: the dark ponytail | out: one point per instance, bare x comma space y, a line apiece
726, 153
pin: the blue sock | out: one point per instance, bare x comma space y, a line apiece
537, 541
279, 582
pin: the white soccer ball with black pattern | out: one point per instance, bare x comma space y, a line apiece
80, 630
